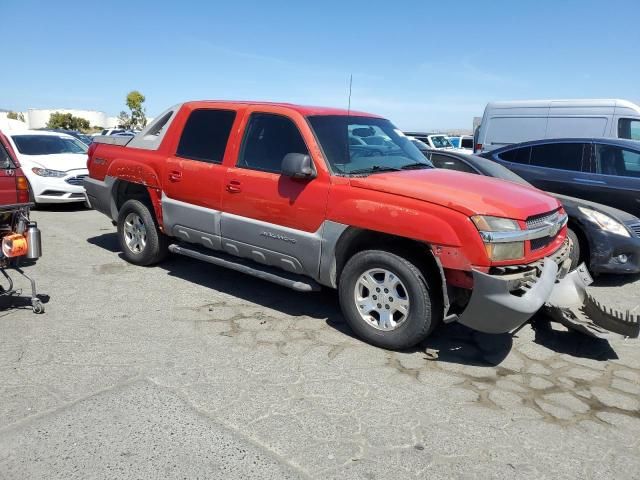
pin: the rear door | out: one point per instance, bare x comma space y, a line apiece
560, 168
194, 175
8, 189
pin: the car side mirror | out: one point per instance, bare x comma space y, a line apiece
298, 165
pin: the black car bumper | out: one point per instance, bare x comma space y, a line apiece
613, 253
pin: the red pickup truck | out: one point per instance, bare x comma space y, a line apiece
310, 196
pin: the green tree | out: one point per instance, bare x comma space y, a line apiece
15, 116
68, 122
124, 120
135, 101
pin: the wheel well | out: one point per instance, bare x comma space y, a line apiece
585, 252
356, 240
126, 191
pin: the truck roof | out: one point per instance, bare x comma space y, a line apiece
305, 110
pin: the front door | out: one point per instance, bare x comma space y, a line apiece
617, 179
194, 177
268, 217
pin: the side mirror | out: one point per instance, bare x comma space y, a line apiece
298, 165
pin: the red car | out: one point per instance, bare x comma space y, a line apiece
311, 196
19, 236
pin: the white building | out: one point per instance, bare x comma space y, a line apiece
38, 118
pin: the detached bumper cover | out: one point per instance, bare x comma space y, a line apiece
494, 309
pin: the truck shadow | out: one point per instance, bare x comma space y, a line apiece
453, 343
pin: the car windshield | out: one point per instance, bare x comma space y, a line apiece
363, 145
440, 141
455, 141
48, 144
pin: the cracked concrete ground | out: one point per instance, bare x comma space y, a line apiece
186, 370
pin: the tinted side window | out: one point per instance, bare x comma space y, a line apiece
450, 163
617, 161
563, 156
467, 143
267, 139
629, 128
517, 155
5, 159
205, 135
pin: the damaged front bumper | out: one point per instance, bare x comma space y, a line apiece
502, 302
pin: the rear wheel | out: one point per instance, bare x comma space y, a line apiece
141, 240
387, 300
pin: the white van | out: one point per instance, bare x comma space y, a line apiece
504, 123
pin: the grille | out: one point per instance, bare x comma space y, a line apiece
77, 180
538, 221
538, 243
635, 228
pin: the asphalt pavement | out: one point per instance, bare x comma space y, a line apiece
186, 370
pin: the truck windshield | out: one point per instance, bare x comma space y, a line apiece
48, 144
365, 145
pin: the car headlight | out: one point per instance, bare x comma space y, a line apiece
499, 251
45, 172
495, 224
605, 222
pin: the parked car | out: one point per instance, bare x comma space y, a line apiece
112, 131
601, 170
463, 143
276, 191
506, 123
437, 141
54, 163
605, 238
86, 139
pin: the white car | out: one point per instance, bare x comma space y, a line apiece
463, 144
54, 163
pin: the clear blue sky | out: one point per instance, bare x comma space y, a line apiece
423, 64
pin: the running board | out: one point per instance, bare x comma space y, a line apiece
264, 272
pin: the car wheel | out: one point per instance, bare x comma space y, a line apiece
141, 240
575, 249
387, 300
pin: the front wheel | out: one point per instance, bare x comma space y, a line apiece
141, 240
387, 300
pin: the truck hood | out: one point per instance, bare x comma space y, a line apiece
59, 161
467, 193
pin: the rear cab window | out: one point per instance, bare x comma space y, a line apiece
450, 163
205, 135
6, 162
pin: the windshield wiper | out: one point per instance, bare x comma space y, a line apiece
415, 166
374, 169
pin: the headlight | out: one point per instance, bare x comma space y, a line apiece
504, 251
495, 224
45, 172
499, 251
605, 222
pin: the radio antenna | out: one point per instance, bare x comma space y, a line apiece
350, 85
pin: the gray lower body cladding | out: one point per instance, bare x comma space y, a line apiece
100, 195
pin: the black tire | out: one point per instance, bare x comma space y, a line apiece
32, 198
156, 246
425, 307
575, 254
